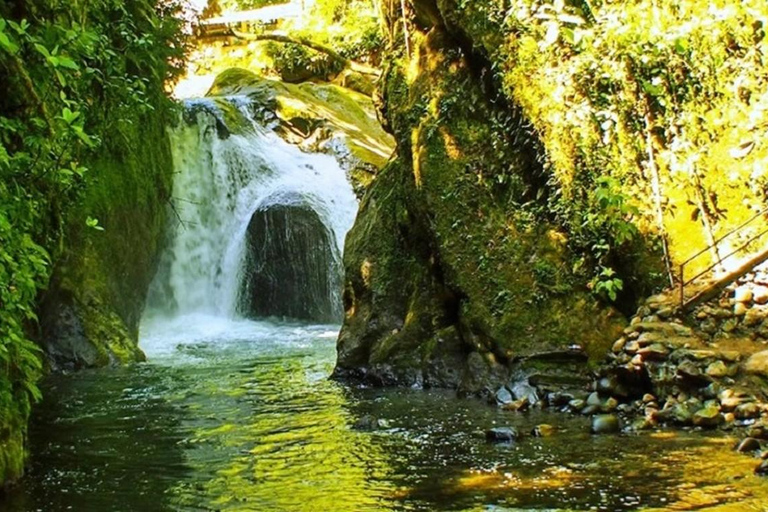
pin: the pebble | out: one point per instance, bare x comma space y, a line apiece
717, 369
742, 295
748, 445
543, 430
708, 417
503, 396
501, 435
605, 424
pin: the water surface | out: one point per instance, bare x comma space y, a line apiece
240, 415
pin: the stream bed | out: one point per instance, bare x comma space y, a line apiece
241, 415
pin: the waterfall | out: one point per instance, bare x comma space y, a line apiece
232, 172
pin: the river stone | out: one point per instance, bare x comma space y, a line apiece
503, 396
758, 431
577, 404
757, 364
689, 374
748, 445
522, 390
605, 424
708, 417
747, 411
543, 430
292, 265
740, 309
501, 435
717, 369
594, 399
742, 295
762, 469
760, 295
654, 352
753, 317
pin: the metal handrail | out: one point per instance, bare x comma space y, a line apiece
684, 283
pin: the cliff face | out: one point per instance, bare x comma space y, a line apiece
89, 316
455, 269
555, 161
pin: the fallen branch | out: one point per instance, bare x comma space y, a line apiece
302, 41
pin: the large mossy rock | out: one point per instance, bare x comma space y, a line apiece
89, 316
292, 266
454, 272
318, 117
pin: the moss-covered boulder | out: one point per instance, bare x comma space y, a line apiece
318, 117
456, 272
89, 316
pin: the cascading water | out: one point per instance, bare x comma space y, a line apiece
232, 173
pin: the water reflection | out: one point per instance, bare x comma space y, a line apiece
244, 419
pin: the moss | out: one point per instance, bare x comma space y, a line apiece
451, 236
102, 276
12, 455
342, 110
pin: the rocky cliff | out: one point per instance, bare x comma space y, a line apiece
456, 272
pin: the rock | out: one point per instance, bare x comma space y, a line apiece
742, 295
730, 325
591, 409
747, 411
688, 374
717, 370
753, 317
503, 396
523, 390
758, 431
605, 424
577, 404
618, 345
708, 417
748, 445
594, 399
517, 406
757, 364
665, 312
543, 430
762, 469
679, 414
632, 347
292, 263
501, 435
760, 295
709, 326
559, 399
740, 309
654, 352
647, 398
610, 405
368, 422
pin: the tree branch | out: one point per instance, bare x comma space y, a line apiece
302, 41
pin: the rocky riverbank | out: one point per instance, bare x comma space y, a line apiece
700, 369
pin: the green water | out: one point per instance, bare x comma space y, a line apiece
241, 416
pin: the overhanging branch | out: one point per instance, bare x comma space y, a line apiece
314, 45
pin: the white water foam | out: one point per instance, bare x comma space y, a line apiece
223, 175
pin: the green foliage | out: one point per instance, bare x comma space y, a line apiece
70, 75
